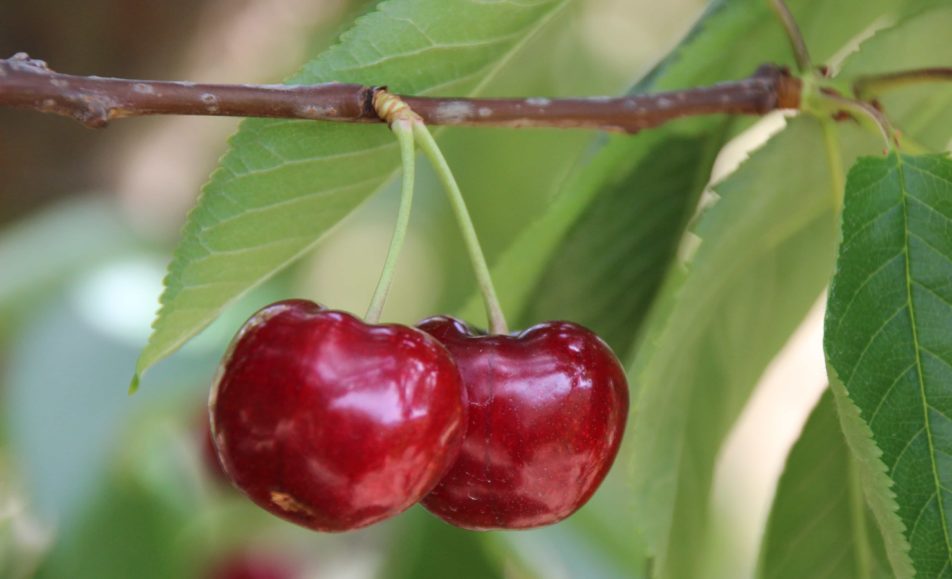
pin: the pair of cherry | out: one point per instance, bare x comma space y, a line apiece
335, 424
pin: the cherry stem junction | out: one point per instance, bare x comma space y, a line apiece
497, 321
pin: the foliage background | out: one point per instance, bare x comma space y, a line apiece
97, 484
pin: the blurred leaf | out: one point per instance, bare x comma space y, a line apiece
766, 253
425, 546
720, 46
510, 176
563, 550
561, 267
887, 335
612, 262
94, 232
125, 533
918, 41
64, 401
819, 524
283, 184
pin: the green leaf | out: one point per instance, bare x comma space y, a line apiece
125, 533
873, 478
888, 336
283, 184
819, 525
425, 546
766, 253
612, 262
95, 231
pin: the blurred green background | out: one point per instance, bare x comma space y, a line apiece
97, 484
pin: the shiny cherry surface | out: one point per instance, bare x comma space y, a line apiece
547, 409
332, 423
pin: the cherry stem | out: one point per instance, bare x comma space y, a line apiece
866, 115
403, 130
497, 321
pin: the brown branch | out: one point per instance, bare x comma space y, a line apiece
94, 101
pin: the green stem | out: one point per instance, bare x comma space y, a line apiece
402, 129
822, 104
497, 322
870, 117
835, 159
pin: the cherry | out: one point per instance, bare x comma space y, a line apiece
547, 409
332, 423
248, 565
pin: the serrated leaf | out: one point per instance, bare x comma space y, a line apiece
819, 525
888, 336
766, 253
875, 482
283, 184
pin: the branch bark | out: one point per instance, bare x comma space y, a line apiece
94, 101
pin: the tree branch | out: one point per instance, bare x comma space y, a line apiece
94, 101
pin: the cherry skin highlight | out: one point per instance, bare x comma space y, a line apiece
332, 423
547, 410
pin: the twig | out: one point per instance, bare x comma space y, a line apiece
800, 52
870, 86
94, 101
864, 113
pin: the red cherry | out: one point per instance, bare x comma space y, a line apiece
332, 423
547, 410
241, 565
